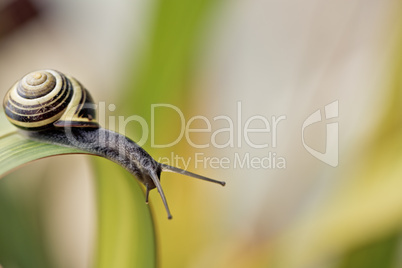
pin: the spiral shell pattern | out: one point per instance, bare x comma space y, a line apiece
42, 98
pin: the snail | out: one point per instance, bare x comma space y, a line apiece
51, 107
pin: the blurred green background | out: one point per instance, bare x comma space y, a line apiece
208, 58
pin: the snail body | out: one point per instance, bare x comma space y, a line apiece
51, 107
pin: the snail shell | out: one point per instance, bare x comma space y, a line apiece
48, 98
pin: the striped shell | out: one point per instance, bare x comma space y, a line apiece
48, 98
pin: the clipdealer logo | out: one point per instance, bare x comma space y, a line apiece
330, 156
258, 133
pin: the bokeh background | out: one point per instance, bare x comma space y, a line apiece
275, 58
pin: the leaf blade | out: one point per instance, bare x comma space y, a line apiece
15, 150
125, 227
125, 231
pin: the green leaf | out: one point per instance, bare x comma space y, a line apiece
21, 243
377, 254
15, 150
125, 229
